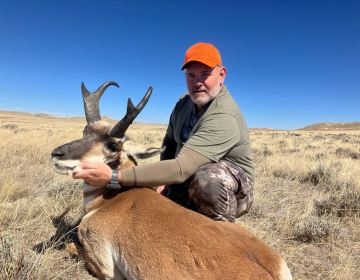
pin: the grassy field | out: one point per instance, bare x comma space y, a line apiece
307, 198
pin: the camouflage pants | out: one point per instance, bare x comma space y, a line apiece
220, 191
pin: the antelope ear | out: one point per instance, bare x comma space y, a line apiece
140, 151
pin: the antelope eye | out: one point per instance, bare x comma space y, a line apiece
113, 147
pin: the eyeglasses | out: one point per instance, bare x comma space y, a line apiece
189, 128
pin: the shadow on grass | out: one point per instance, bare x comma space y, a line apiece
66, 232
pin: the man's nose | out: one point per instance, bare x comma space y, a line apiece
198, 80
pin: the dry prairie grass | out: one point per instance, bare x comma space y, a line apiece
307, 198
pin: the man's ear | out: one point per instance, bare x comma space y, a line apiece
222, 74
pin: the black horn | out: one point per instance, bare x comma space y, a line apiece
91, 101
131, 113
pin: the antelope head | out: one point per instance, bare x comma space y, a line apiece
101, 142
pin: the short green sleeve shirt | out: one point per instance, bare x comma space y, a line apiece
220, 132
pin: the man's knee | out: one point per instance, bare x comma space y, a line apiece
212, 192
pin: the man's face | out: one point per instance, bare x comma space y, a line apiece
203, 82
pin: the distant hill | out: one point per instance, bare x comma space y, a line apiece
13, 116
332, 127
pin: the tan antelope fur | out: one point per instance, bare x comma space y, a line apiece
136, 233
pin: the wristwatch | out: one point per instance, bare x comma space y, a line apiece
114, 183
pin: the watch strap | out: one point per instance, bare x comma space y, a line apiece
114, 183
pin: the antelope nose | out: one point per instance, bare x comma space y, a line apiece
57, 155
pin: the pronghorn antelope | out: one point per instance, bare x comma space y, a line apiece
139, 234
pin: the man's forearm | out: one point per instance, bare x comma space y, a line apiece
164, 172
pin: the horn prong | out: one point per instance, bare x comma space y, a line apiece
131, 113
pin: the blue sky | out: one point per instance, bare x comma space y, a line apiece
290, 63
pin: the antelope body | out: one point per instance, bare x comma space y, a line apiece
139, 234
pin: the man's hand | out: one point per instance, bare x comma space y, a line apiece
164, 190
94, 173
160, 189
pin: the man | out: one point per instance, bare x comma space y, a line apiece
206, 166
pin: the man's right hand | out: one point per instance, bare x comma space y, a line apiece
162, 190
